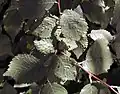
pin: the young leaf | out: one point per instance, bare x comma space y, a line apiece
73, 25
44, 30
95, 88
53, 88
98, 59
44, 46
26, 68
65, 70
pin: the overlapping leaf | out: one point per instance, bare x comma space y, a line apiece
73, 28
44, 46
53, 88
5, 45
100, 34
12, 22
29, 9
65, 69
98, 59
26, 68
97, 12
116, 17
7, 89
45, 28
115, 45
73, 25
95, 88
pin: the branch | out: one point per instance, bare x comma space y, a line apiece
92, 75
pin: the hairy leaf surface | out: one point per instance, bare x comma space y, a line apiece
65, 69
26, 68
44, 30
44, 46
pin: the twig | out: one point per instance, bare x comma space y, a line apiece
98, 79
59, 6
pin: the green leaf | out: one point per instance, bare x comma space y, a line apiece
73, 25
26, 68
98, 59
12, 22
97, 12
44, 46
44, 30
65, 70
53, 88
33, 89
5, 45
95, 88
116, 17
115, 45
31, 9
79, 50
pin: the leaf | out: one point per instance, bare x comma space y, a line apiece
23, 65
5, 45
73, 25
31, 9
95, 88
44, 30
98, 58
12, 22
65, 70
2, 70
7, 89
44, 46
115, 45
100, 34
79, 50
97, 12
116, 17
53, 88
33, 89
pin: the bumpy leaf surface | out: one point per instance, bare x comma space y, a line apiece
44, 46
22, 66
73, 25
44, 30
65, 69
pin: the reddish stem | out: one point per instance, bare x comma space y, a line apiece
59, 6
99, 79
